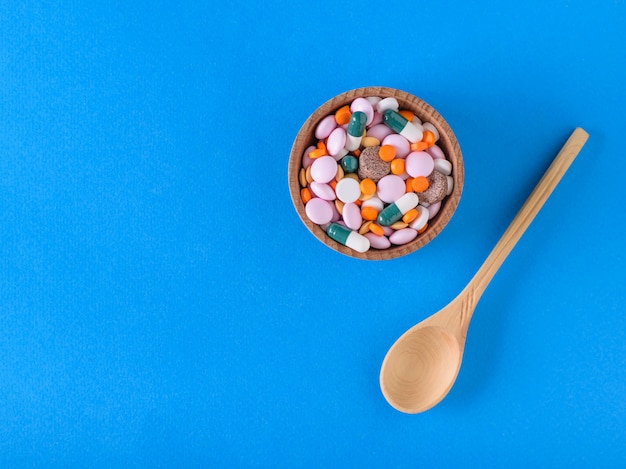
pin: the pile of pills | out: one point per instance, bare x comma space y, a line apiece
376, 175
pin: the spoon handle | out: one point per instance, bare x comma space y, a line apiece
527, 213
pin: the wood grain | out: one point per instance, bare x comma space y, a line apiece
447, 142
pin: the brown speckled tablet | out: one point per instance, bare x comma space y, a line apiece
371, 166
437, 188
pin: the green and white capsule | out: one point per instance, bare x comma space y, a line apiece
400, 125
356, 127
347, 237
393, 212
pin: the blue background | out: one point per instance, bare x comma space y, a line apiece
162, 304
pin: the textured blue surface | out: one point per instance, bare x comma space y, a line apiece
162, 304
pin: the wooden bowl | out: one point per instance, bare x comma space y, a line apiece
447, 142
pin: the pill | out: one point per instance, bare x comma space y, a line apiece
431, 128
355, 130
370, 141
433, 209
387, 153
419, 184
325, 127
401, 144
422, 218
378, 242
306, 159
374, 100
374, 202
371, 166
385, 104
450, 181
394, 212
367, 213
321, 190
368, 187
336, 141
437, 188
435, 152
419, 163
379, 131
411, 215
378, 119
364, 106
348, 190
324, 169
397, 166
352, 216
348, 237
376, 229
390, 188
403, 236
319, 211
443, 166
305, 195
349, 164
342, 116
401, 126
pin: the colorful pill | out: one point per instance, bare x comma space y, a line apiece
394, 212
401, 126
356, 127
349, 164
348, 238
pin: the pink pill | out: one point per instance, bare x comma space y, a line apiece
352, 216
435, 152
336, 141
322, 190
379, 131
418, 163
390, 188
403, 236
324, 169
378, 242
402, 145
319, 211
306, 159
363, 105
433, 209
325, 127
378, 119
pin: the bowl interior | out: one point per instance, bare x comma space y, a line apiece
447, 142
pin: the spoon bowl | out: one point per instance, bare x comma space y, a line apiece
420, 369
422, 365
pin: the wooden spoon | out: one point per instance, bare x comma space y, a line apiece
421, 366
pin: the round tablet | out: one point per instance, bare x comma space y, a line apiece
391, 188
419, 163
324, 169
348, 190
319, 211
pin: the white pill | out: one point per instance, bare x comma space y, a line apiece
443, 166
450, 185
387, 103
348, 190
421, 220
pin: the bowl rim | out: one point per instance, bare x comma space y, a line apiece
447, 142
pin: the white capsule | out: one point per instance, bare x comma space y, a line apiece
412, 132
407, 202
352, 142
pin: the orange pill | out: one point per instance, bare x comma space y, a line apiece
408, 115
408, 182
419, 146
410, 216
377, 229
368, 187
305, 194
419, 184
387, 153
318, 152
333, 184
397, 166
423, 229
369, 213
428, 138
343, 114
322, 146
